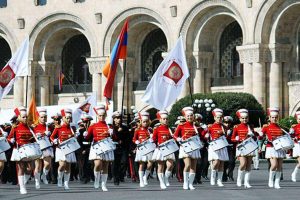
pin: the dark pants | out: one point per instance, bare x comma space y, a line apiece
53, 169
119, 165
9, 173
84, 166
229, 165
202, 165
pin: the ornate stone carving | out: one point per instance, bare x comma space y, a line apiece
96, 64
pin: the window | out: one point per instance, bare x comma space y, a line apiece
5, 53
40, 2
3, 3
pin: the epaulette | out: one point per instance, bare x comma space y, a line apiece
33, 125
265, 125
57, 126
235, 126
209, 125
294, 125
14, 125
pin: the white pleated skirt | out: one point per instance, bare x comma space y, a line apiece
108, 156
157, 156
3, 157
239, 153
221, 154
272, 153
193, 154
15, 155
60, 156
145, 158
48, 153
296, 150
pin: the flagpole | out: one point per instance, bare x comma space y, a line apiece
123, 94
189, 80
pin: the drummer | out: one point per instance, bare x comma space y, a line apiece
141, 134
161, 134
183, 132
2, 155
240, 133
273, 131
217, 158
20, 135
59, 135
295, 132
98, 132
42, 130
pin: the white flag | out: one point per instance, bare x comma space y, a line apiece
16, 66
168, 80
85, 107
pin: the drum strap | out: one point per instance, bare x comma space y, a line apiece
196, 129
31, 131
171, 132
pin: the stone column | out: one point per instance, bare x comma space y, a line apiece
259, 83
276, 84
248, 87
199, 74
19, 91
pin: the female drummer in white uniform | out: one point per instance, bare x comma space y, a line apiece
183, 132
3, 134
100, 131
59, 135
141, 134
240, 133
161, 134
217, 157
42, 130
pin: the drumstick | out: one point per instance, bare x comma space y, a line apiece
259, 122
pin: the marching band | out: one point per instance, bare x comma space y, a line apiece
114, 146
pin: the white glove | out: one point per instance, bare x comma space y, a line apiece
150, 140
206, 135
204, 127
12, 140
292, 131
85, 133
55, 141
38, 135
250, 133
76, 134
228, 132
137, 142
48, 133
179, 139
110, 131
4, 134
260, 133
237, 138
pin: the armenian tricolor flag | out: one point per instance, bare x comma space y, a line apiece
61, 77
119, 51
33, 115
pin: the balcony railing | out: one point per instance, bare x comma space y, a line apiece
73, 88
227, 81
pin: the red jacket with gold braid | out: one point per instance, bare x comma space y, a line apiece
272, 131
98, 131
241, 130
63, 133
296, 134
187, 130
216, 130
161, 134
40, 128
22, 135
141, 134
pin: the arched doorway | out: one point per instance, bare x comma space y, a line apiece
5, 55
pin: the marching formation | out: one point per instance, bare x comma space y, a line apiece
107, 149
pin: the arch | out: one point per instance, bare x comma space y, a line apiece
205, 11
137, 16
9, 37
43, 30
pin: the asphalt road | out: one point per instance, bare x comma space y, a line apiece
128, 190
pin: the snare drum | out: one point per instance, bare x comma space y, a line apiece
246, 147
4, 145
284, 142
191, 144
44, 142
104, 146
146, 147
168, 147
70, 145
219, 143
28, 152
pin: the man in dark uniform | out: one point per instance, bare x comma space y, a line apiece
121, 137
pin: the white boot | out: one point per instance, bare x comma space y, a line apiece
247, 179
145, 178
141, 174
294, 174
161, 181
277, 180
271, 178
219, 181
213, 177
167, 176
97, 179
66, 180
21, 180
239, 179
59, 178
44, 176
191, 181
26, 178
186, 180
37, 178
103, 182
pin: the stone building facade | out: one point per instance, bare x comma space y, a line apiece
231, 45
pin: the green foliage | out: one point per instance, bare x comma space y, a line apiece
230, 102
287, 122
